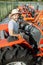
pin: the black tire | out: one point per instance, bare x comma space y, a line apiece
15, 53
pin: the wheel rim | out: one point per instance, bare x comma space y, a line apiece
16, 63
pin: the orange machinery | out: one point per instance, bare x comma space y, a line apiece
21, 41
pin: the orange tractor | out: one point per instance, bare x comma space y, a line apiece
24, 51
28, 13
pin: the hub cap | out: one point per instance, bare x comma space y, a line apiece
16, 63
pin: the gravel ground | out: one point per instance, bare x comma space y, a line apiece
6, 20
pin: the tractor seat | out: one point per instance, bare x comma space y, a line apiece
3, 34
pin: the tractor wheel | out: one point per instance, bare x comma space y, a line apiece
16, 55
